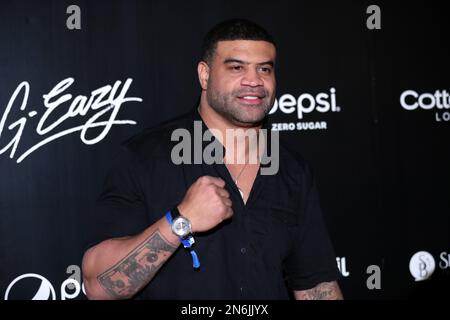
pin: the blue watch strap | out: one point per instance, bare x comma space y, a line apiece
169, 217
195, 260
186, 242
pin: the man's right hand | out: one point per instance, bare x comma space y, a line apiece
206, 203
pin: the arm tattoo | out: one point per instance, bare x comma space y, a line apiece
134, 271
323, 291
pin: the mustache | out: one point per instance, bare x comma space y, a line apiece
259, 92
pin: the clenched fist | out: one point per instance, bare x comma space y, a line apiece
206, 203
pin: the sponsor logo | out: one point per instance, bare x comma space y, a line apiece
444, 262
342, 266
42, 288
32, 286
422, 265
302, 106
439, 101
95, 113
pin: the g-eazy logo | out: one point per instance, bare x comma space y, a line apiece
305, 104
104, 102
439, 100
33, 286
422, 265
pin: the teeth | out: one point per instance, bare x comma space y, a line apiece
250, 97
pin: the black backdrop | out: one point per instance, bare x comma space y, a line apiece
383, 171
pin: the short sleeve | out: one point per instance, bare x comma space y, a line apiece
312, 259
120, 208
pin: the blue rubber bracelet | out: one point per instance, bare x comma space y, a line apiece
187, 243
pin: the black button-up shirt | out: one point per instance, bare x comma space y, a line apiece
275, 242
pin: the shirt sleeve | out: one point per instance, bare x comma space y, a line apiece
312, 259
120, 208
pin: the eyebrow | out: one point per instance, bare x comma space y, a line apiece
232, 60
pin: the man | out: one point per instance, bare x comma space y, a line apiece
256, 236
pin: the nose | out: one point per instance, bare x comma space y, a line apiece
252, 78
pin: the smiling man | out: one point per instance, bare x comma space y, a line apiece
221, 230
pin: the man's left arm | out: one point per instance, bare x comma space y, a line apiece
323, 291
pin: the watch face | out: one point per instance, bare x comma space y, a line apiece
181, 227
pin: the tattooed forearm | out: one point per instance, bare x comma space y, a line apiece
133, 272
323, 291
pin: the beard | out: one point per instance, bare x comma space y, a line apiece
229, 107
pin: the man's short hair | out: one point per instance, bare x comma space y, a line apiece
234, 29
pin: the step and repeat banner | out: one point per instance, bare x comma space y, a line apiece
363, 94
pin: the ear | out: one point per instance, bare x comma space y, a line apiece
203, 74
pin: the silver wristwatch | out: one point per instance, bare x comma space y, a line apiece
181, 226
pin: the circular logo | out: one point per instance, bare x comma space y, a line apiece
422, 265
30, 285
